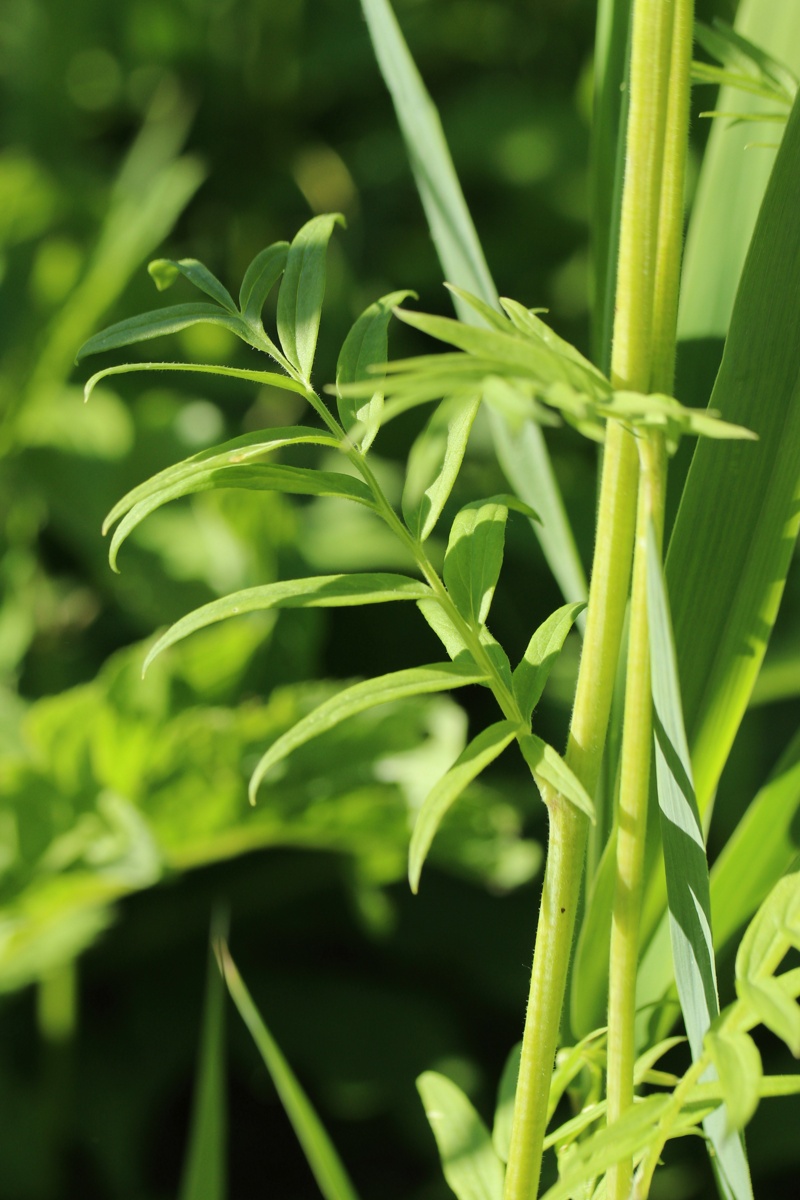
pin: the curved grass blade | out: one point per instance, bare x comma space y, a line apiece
158, 323
266, 378
325, 1164
685, 863
164, 272
365, 346
299, 481
542, 651
204, 1172
523, 456
469, 1160
547, 766
474, 759
320, 591
260, 278
302, 290
434, 462
399, 685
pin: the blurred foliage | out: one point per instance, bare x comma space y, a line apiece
211, 128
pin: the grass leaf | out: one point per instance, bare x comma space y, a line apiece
321, 1156
469, 1161
302, 291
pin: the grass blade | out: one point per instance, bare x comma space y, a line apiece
204, 1173
523, 455
469, 1160
320, 1154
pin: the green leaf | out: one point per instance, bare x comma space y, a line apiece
155, 324
302, 290
474, 759
470, 1164
166, 270
253, 477
434, 463
767, 999
523, 456
504, 1108
548, 767
320, 591
474, 557
685, 860
759, 71
542, 651
266, 378
331, 1177
204, 1171
738, 1065
417, 681
259, 279
365, 346
771, 932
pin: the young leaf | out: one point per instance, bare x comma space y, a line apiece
547, 766
320, 591
738, 1066
365, 346
331, 1177
166, 270
480, 752
204, 1171
542, 651
469, 1162
259, 279
434, 462
302, 290
771, 932
776, 1010
474, 557
417, 681
253, 477
155, 324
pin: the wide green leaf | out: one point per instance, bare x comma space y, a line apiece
434, 462
548, 767
399, 685
523, 455
481, 751
474, 557
260, 278
319, 591
165, 271
302, 290
365, 346
469, 1161
327, 1168
531, 675
156, 324
205, 1171
738, 1065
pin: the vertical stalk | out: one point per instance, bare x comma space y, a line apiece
639, 265
638, 734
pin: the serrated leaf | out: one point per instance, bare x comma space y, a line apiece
298, 481
738, 1065
547, 766
434, 463
531, 675
399, 685
325, 1164
772, 1006
481, 751
769, 934
365, 346
165, 271
474, 557
302, 291
156, 324
260, 278
469, 1162
320, 591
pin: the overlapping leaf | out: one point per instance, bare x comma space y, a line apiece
365, 346
302, 290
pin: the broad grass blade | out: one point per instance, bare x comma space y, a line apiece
317, 591
523, 456
481, 751
469, 1160
302, 290
321, 1156
685, 862
399, 685
204, 1172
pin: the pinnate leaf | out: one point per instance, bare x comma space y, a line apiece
774, 1008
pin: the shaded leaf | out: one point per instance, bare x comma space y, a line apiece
165, 271
547, 766
266, 378
302, 291
155, 324
469, 1162
204, 1171
365, 346
434, 462
542, 651
259, 279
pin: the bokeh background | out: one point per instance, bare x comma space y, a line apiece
210, 128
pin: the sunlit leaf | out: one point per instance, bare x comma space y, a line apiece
738, 1064
542, 651
365, 346
474, 557
769, 1002
434, 463
265, 378
771, 932
155, 324
469, 1162
259, 279
547, 766
302, 290
166, 270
